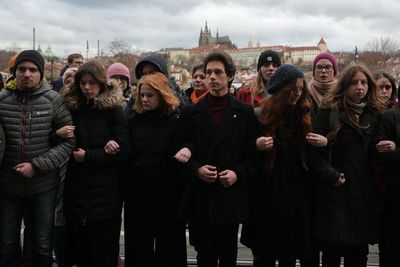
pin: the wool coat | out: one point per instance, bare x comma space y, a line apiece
281, 207
346, 214
226, 146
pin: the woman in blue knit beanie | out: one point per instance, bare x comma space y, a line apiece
280, 223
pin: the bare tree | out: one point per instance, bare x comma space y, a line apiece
119, 47
385, 46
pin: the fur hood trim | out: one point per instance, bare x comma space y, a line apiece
112, 97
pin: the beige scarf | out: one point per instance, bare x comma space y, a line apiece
317, 89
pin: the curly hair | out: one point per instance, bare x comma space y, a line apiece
273, 112
169, 102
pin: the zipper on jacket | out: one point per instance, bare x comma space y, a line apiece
22, 149
23, 135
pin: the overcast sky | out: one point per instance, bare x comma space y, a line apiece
155, 24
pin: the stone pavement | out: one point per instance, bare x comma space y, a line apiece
245, 256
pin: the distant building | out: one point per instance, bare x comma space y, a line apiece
206, 38
303, 54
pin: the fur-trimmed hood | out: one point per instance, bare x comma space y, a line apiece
111, 97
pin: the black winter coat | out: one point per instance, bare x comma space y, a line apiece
348, 214
227, 147
388, 128
153, 184
92, 188
280, 221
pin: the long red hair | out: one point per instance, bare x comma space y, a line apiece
273, 112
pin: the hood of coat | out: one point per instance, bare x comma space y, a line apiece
111, 97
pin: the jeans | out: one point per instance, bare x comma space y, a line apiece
38, 214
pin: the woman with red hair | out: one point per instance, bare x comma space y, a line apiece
280, 222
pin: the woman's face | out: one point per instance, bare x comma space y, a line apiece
296, 93
122, 81
149, 97
68, 81
358, 87
199, 80
384, 88
90, 87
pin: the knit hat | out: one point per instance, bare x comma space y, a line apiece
118, 69
69, 72
157, 60
268, 56
282, 77
33, 56
328, 56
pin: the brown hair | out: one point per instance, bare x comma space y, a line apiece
224, 58
273, 111
93, 68
335, 99
168, 100
383, 74
73, 56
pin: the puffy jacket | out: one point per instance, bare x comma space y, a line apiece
28, 119
2, 143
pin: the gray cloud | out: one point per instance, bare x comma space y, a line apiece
155, 24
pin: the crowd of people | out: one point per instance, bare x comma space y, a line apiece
308, 168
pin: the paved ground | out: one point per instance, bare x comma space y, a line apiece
245, 256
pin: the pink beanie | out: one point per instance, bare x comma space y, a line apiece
328, 56
118, 69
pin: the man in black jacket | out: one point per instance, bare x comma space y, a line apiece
220, 132
29, 174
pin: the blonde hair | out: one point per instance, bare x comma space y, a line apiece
169, 102
256, 86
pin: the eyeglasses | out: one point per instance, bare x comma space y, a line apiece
328, 68
387, 87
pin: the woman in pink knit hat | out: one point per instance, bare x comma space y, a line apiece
119, 73
325, 70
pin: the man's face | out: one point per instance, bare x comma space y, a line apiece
149, 69
76, 62
27, 75
217, 79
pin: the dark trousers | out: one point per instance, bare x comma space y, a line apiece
95, 243
391, 232
64, 255
260, 260
38, 214
216, 244
355, 256
151, 243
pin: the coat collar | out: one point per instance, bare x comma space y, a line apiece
231, 114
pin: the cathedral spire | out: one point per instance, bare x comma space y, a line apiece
206, 28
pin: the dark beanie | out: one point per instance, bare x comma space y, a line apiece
268, 56
157, 60
33, 56
284, 75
